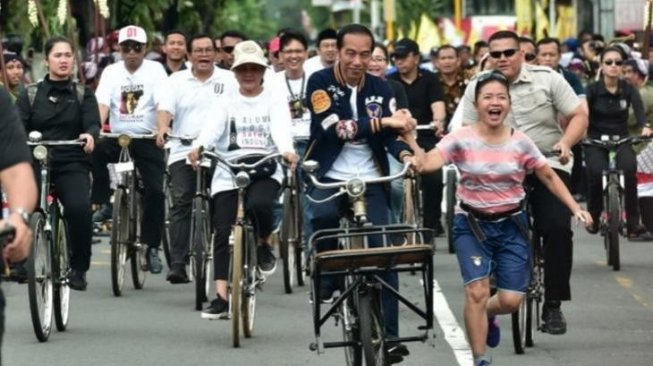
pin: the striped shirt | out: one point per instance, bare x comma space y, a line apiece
491, 176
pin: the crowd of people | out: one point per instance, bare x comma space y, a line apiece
352, 107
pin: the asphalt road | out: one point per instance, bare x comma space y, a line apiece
610, 321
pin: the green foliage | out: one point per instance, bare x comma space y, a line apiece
410, 12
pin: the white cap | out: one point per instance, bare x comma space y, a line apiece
132, 33
248, 52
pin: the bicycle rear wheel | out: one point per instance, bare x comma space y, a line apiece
60, 268
614, 224
372, 330
451, 182
250, 282
522, 325
300, 253
287, 241
138, 253
235, 283
351, 332
199, 238
119, 240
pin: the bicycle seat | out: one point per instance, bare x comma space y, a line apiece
384, 257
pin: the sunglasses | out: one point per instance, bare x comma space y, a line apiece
506, 53
610, 62
228, 49
485, 78
127, 47
530, 56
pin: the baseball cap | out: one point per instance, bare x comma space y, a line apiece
132, 33
248, 52
274, 44
405, 46
638, 65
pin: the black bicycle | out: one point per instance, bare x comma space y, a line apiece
49, 265
291, 249
127, 217
613, 217
358, 308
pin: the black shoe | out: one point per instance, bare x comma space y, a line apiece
267, 262
18, 273
393, 354
153, 261
554, 320
177, 274
77, 280
217, 309
398, 349
637, 233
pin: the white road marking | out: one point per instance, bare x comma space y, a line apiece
453, 333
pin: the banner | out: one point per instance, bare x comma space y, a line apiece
524, 14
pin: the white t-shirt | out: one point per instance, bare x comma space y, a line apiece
296, 102
190, 102
312, 65
356, 158
246, 125
132, 98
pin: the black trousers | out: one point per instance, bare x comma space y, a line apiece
552, 221
72, 186
148, 159
259, 201
646, 206
432, 187
596, 161
182, 184
578, 175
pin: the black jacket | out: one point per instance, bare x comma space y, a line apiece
56, 113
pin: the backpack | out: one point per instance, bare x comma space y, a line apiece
33, 88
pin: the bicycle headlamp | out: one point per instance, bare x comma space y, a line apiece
40, 152
35, 136
355, 187
124, 140
242, 179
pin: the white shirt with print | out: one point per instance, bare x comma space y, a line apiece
261, 125
191, 104
132, 98
300, 118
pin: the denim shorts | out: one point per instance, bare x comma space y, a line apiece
505, 252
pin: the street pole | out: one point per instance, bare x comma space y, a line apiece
552, 18
375, 17
648, 18
389, 18
357, 11
457, 11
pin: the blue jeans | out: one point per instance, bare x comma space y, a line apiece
326, 216
396, 191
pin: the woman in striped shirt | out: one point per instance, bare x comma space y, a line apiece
489, 227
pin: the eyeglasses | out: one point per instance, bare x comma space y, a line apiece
610, 62
203, 51
228, 49
379, 59
507, 53
293, 52
530, 56
127, 47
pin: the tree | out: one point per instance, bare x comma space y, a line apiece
409, 12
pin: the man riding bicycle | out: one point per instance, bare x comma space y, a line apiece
130, 92
353, 122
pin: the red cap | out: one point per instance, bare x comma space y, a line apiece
274, 44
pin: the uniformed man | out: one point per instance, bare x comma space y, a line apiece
538, 95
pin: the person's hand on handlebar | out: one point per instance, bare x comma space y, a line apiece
89, 143
292, 159
414, 161
647, 132
161, 135
401, 122
565, 151
194, 156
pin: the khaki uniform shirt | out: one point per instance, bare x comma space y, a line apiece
537, 96
647, 99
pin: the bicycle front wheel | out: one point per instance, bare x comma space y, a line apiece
60, 268
372, 330
138, 253
165, 238
39, 279
286, 241
119, 240
351, 333
235, 283
250, 283
522, 325
199, 240
614, 224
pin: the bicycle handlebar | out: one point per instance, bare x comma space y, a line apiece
615, 144
341, 184
133, 136
78, 142
430, 126
238, 166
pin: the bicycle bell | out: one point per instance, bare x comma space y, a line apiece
311, 166
355, 187
35, 136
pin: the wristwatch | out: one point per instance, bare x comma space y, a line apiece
22, 213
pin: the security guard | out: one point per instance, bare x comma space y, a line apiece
538, 95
